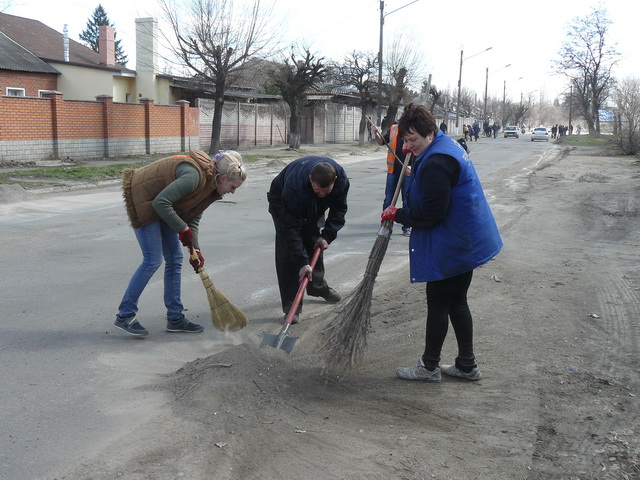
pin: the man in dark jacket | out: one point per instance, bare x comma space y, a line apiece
299, 197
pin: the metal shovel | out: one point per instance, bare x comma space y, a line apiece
282, 340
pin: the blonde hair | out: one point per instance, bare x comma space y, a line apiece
229, 163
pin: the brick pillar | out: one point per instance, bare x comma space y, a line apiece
57, 105
184, 117
148, 117
107, 115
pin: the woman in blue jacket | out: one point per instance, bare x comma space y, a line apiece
453, 232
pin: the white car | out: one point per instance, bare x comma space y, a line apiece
540, 133
511, 131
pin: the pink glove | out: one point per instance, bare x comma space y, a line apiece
389, 213
199, 263
186, 237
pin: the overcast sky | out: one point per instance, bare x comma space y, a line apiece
525, 34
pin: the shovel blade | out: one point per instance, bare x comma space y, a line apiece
281, 341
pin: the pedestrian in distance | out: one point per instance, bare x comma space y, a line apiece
443, 127
476, 130
308, 192
394, 167
453, 232
165, 201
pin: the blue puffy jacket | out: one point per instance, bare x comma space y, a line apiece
468, 237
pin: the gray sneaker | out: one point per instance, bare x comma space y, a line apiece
131, 326
454, 371
183, 325
419, 372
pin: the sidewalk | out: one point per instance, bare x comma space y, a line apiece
254, 157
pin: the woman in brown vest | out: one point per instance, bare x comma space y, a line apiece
164, 202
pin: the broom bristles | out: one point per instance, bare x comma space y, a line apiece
224, 314
347, 334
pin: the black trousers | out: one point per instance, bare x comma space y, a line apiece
287, 272
447, 300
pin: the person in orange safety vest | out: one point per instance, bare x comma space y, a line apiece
394, 167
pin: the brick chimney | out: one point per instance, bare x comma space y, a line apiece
107, 45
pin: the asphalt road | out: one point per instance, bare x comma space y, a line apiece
70, 381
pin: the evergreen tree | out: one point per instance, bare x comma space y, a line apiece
90, 34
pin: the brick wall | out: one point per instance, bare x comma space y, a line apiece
33, 129
31, 82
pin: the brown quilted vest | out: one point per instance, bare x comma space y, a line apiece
141, 185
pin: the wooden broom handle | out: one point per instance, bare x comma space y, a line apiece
194, 256
404, 164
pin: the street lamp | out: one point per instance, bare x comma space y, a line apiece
486, 86
382, 15
460, 81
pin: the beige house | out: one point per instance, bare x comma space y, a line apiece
82, 73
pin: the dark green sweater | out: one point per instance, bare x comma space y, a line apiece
186, 182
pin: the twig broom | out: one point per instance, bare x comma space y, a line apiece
224, 314
346, 335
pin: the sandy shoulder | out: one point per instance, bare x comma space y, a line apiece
556, 338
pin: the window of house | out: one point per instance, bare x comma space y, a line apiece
127, 97
15, 92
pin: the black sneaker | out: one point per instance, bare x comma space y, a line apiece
131, 326
331, 296
183, 325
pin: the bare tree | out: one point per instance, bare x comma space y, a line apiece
293, 79
358, 70
515, 113
215, 40
467, 102
627, 98
403, 65
435, 96
587, 61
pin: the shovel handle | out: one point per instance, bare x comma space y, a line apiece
303, 285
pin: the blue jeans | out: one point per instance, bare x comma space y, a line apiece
157, 241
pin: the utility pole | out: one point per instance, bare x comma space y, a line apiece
379, 110
382, 15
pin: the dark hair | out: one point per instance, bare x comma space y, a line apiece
323, 174
418, 118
